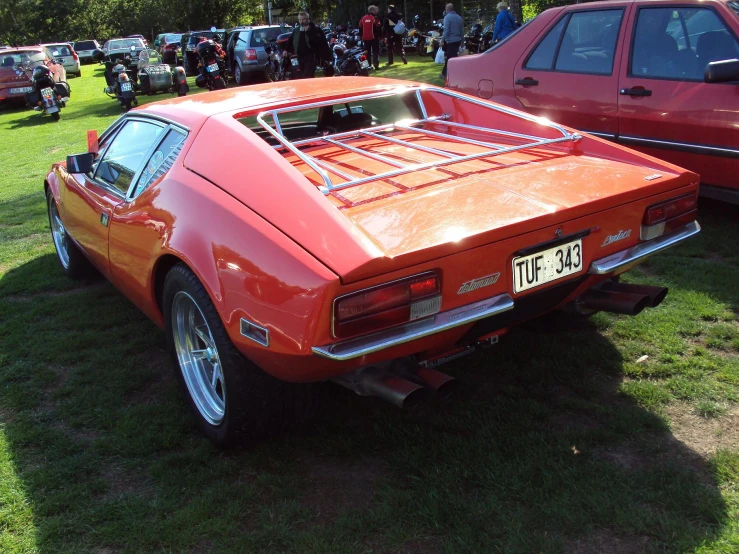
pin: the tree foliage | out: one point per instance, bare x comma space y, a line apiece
34, 21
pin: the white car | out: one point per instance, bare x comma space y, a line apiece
65, 54
85, 49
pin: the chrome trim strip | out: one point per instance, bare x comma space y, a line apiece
609, 136
361, 346
682, 146
640, 251
244, 328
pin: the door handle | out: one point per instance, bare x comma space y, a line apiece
527, 82
639, 91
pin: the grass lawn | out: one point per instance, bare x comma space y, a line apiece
618, 435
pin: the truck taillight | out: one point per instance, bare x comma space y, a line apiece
383, 306
668, 215
250, 54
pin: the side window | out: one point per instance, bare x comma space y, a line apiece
126, 154
678, 43
160, 161
543, 56
589, 42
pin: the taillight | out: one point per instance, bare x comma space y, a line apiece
250, 54
387, 305
668, 215
362, 58
74, 55
669, 209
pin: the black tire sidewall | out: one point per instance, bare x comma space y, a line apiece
79, 266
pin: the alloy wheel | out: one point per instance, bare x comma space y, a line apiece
58, 233
198, 358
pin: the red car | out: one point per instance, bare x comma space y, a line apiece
14, 84
629, 71
361, 230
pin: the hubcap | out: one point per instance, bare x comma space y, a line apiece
58, 233
198, 357
237, 74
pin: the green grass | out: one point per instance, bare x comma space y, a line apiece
560, 439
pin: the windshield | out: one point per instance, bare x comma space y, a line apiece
84, 45
260, 37
125, 44
172, 38
14, 58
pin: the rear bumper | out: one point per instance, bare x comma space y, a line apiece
491, 308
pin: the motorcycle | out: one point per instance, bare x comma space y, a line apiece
121, 76
349, 61
474, 39
279, 67
211, 65
155, 76
47, 96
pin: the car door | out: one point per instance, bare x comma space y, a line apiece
88, 200
137, 228
665, 107
571, 75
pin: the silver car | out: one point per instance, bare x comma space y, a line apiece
65, 55
85, 49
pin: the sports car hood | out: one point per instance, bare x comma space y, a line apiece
422, 215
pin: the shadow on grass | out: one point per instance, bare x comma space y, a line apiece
539, 451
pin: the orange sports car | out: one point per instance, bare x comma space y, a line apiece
359, 230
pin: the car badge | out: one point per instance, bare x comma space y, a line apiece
652, 177
618, 236
479, 283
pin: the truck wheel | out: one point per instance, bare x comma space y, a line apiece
233, 400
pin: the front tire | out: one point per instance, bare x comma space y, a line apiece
233, 400
73, 261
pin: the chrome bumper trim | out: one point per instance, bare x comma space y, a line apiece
640, 251
361, 346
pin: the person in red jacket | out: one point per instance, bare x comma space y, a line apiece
371, 27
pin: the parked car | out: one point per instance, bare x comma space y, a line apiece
246, 57
168, 45
14, 84
629, 71
140, 37
355, 229
66, 55
85, 49
119, 48
189, 42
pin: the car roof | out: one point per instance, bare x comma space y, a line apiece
24, 49
606, 3
55, 44
192, 111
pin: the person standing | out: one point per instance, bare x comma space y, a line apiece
310, 45
504, 23
394, 42
452, 36
371, 28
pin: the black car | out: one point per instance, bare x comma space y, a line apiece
189, 41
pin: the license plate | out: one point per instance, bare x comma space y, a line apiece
364, 64
20, 90
213, 68
546, 266
295, 62
126, 87
47, 93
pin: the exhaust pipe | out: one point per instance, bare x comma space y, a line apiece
441, 384
656, 294
615, 302
373, 381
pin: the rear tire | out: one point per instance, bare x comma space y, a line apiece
74, 263
126, 104
219, 84
238, 75
55, 116
245, 404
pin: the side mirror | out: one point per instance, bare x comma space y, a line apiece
80, 163
724, 71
